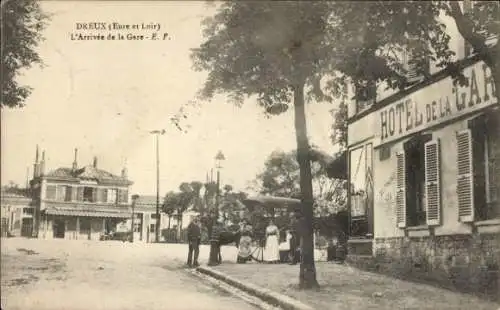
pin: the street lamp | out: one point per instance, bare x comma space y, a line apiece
157, 133
219, 158
134, 199
214, 238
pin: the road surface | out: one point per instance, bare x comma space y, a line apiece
63, 274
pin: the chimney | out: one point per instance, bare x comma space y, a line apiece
75, 163
42, 165
95, 162
124, 172
36, 165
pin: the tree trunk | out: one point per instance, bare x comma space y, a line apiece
169, 217
307, 277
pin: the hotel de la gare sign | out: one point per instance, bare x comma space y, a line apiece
437, 103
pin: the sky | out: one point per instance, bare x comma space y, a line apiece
104, 97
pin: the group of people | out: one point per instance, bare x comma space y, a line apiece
271, 246
271, 240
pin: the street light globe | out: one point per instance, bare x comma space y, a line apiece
218, 159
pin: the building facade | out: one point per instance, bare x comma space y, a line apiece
145, 219
17, 215
424, 193
78, 203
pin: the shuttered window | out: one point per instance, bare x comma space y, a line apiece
50, 192
465, 185
401, 190
61, 192
122, 196
432, 182
80, 194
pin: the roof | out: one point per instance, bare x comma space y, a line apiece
87, 173
271, 202
14, 199
147, 200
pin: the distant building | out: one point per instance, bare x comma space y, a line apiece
145, 218
17, 215
78, 202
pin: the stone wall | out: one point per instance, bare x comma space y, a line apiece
467, 263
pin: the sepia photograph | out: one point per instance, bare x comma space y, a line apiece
293, 155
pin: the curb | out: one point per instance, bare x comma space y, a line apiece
282, 301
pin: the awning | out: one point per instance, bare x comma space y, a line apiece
89, 213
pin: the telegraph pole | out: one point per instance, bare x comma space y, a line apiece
157, 226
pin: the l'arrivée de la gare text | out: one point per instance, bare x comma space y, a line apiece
101, 31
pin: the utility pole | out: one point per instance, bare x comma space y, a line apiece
157, 225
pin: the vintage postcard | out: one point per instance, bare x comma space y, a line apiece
250, 155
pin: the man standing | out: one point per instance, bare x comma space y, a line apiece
194, 239
294, 229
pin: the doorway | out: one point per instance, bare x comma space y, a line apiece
59, 228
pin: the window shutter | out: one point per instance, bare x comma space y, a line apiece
401, 190
51, 192
61, 192
80, 194
465, 184
432, 182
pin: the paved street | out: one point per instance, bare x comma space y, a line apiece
60, 274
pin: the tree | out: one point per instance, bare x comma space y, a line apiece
169, 205
374, 36
281, 178
22, 24
277, 52
231, 204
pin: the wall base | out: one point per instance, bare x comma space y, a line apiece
466, 263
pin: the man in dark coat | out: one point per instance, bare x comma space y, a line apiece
295, 229
194, 239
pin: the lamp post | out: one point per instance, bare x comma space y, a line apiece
134, 199
157, 133
218, 164
214, 238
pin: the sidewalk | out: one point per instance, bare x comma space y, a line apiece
345, 287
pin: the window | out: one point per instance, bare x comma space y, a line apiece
366, 92
418, 192
61, 192
361, 191
112, 194
28, 211
50, 192
88, 194
69, 193
414, 71
478, 149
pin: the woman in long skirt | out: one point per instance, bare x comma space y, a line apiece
272, 250
244, 248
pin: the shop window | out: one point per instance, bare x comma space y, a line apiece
88, 194
478, 149
418, 195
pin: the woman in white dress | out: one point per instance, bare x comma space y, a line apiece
272, 250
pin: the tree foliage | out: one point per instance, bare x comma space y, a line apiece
281, 178
22, 24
